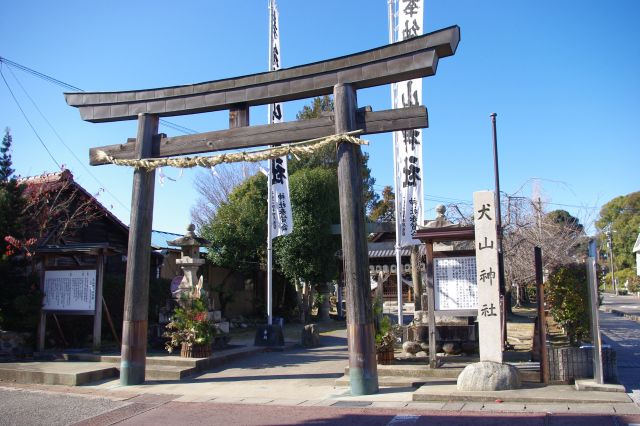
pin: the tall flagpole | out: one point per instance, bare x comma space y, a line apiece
393, 39
269, 239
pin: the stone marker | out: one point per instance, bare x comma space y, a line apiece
310, 336
486, 242
488, 376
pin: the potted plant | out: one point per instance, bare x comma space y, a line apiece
385, 342
191, 329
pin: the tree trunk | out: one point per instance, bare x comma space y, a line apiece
507, 300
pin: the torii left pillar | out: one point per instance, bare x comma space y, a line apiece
136, 296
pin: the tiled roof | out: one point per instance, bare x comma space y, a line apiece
159, 241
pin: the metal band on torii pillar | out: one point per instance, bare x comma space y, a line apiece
136, 296
363, 369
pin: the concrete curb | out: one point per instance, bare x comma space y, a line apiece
141, 401
620, 313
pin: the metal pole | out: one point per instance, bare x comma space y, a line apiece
269, 239
542, 324
392, 39
496, 174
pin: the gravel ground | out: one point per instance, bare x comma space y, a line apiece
20, 407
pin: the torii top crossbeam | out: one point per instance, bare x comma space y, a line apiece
413, 58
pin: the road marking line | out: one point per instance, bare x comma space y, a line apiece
405, 419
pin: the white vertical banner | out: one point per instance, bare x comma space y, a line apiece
280, 219
484, 215
408, 143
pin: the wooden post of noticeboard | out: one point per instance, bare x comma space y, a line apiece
97, 316
431, 304
42, 324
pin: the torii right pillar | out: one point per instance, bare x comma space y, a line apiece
363, 369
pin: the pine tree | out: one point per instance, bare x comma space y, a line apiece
5, 157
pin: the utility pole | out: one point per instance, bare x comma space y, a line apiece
611, 263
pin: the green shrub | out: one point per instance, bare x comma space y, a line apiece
634, 284
622, 276
566, 292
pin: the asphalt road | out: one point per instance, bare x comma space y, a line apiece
19, 407
623, 335
212, 414
629, 304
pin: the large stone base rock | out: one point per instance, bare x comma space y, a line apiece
488, 376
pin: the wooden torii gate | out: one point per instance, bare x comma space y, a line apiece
414, 58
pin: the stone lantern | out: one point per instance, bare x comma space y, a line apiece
190, 261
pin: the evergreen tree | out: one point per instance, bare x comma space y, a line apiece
19, 297
5, 157
327, 156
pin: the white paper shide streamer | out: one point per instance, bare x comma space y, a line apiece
408, 143
280, 219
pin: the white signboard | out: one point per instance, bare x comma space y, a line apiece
455, 283
70, 290
484, 211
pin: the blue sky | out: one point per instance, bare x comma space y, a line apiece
563, 78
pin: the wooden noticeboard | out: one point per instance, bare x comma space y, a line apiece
70, 291
73, 291
455, 283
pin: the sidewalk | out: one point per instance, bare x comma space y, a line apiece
307, 377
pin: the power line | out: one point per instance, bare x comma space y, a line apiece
60, 83
65, 145
39, 74
27, 119
50, 79
573, 205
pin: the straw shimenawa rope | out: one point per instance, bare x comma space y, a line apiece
305, 147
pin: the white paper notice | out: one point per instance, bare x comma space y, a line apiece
455, 283
70, 290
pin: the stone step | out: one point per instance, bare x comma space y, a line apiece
151, 359
527, 372
56, 372
528, 394
167, 372
169, 367
414, 371
399, 382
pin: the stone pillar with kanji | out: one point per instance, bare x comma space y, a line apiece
490, 374
488, 280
